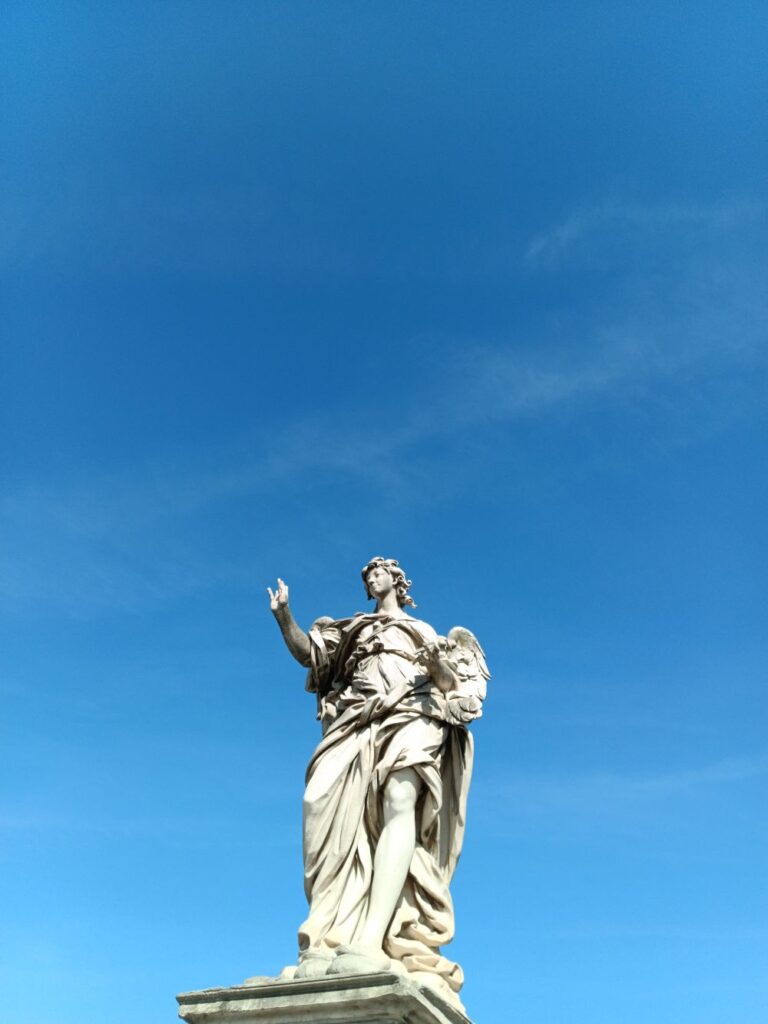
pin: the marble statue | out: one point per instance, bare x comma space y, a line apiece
386, 789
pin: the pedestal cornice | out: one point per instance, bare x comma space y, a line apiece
343, 999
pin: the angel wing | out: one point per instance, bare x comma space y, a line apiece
466, 659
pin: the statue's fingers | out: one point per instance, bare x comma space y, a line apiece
271, 595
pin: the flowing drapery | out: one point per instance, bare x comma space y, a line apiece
381, 712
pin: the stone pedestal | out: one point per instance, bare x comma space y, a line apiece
341, 999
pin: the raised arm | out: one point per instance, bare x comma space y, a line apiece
296, 640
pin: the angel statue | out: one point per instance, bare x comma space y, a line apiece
386, 789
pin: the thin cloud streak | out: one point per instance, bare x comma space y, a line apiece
667, 930
479, 387
549, 247
171, 829
603, 790
637, 349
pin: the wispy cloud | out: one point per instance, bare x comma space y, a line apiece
214, 231
663, 931
173, 830
603, 791
610, 218
688, 335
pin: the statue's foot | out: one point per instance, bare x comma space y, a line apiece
313, 965
358, 959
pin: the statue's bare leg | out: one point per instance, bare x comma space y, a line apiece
394, 852
392, 859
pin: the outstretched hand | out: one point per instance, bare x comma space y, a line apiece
279, 598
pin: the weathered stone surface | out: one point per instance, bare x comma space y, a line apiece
348, 999
386, 794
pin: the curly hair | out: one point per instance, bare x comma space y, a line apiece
399, 578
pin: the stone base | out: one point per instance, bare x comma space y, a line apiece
341, 999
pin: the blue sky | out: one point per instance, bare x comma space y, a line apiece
477, 286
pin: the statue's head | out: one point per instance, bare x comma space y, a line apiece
399, 581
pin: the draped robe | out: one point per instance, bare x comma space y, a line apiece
381, 712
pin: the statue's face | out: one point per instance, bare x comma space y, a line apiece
379, 582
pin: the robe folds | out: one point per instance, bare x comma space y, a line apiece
381, 712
